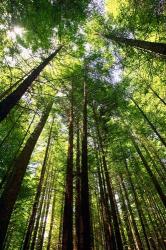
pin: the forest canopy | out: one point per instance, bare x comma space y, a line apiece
82, 125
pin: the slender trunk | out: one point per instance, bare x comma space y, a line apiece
158, 48
113, 210
2, 183
136, 232
124, 240
92, 223
11, 129
159, 172
12, 188
149, 195
101, 232
38, 242
37, 196
52, 219
126, 219
157, 157
39, 212
60, 228
147, 167
85, 205
150, 123
153, 222
9, 102
67, 236
137, 203
7, 91
78, 190
37, 219
155, 93
109, 187
109, 235
108, 230
45, 214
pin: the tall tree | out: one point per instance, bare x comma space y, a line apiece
150, 123
10, 101
78, 189
37, 196
153, 178
12, 187
67, 236
157, 48
109, 186
85, 241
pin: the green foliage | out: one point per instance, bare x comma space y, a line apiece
114, 74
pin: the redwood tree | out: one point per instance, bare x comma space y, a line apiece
13, 184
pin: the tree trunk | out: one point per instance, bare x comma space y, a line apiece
127, 223
12, 187
109, 236
67, 235
151, 199
155, 93
109, 187
106, 213
158, 48
137, 203
85, 205
153, 221
2, 183
136, 232
9, 102
42, 227
150, 123
37, 196
155, 166
7, 91
147, 167
60, 228
14, 125
52, 219
113, 208
78, 190
39, 212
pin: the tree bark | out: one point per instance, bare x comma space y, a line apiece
150, 123
109, 187
67, 234
154, 222
52, 219
155, 93
149, 193
109, 235
39, 212
37, 196
12, 187
127, 223
78, 190
136, 232
44, 216
85, 205
137, 203
9, 102
157, 48
106, 213
7, 174
7, 91
60, 228
148, 169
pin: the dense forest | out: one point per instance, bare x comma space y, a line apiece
82, 125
